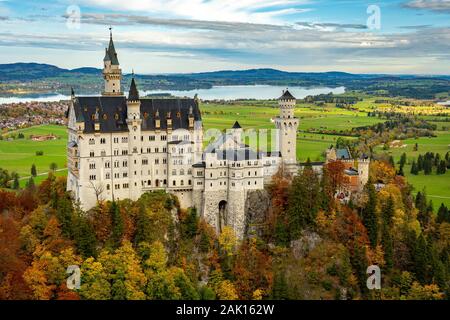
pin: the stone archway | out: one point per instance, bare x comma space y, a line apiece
222, 215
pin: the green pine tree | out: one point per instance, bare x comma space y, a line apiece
117, 225
369, 214
33, 170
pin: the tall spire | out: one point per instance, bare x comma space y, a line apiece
111, 51
133, 94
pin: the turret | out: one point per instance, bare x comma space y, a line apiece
287, 124
111, 70
363, 171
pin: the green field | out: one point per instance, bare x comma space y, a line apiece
437, 186
19, 155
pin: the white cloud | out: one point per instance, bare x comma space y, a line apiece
435, 5
256, 11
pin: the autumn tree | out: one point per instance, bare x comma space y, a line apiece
252, 271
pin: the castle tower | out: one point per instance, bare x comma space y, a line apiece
134, 122
287, 124
363, 171
111, 70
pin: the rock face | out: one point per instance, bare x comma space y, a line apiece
257, 207
307, 242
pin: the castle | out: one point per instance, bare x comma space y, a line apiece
121, 147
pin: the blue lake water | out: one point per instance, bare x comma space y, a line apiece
215, 93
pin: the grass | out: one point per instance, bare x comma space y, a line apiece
437, 186
20, 154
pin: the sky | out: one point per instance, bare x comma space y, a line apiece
181, 36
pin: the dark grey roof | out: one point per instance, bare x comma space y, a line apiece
111, 52
343, 154
275, 154
112, 113
287, 96
351, 172
133, 94
199, 165
314, 164
237, 125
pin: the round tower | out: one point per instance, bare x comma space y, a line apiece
287, 124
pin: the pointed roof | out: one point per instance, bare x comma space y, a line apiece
133, 94
237, 125
111, 54
287, 96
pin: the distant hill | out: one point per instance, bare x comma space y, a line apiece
86, 80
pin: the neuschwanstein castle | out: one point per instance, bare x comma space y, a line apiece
121, 147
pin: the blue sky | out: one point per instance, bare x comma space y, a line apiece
167, 36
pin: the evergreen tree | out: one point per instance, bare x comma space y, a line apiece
16, 181
402, 160
391, 161
388, 214
303, 201
416, 147
420, 163
85, 238
369, 214
421, 260
33, 170
414, 169
280, 287
117, 225
427, 166
30, 184
443, 214
441, 168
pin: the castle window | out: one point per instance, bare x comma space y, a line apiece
144, 161
93, 116
91, 154
178, 114
145, 115
174, 183
116, 116
102, 141
151, 138
174, 172
125, 164
190, 182
156, 161
105, 117
182, 182
164, 161
182, 172
189, 171
108, 176
157, 150
91, 141
163, 138
108, 187
92, 177
103, 153
165, 150
125, 175
92, 166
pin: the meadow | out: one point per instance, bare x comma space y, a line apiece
437, 186
20, 154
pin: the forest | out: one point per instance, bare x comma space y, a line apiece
307, 245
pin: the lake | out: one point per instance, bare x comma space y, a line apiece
215, 93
